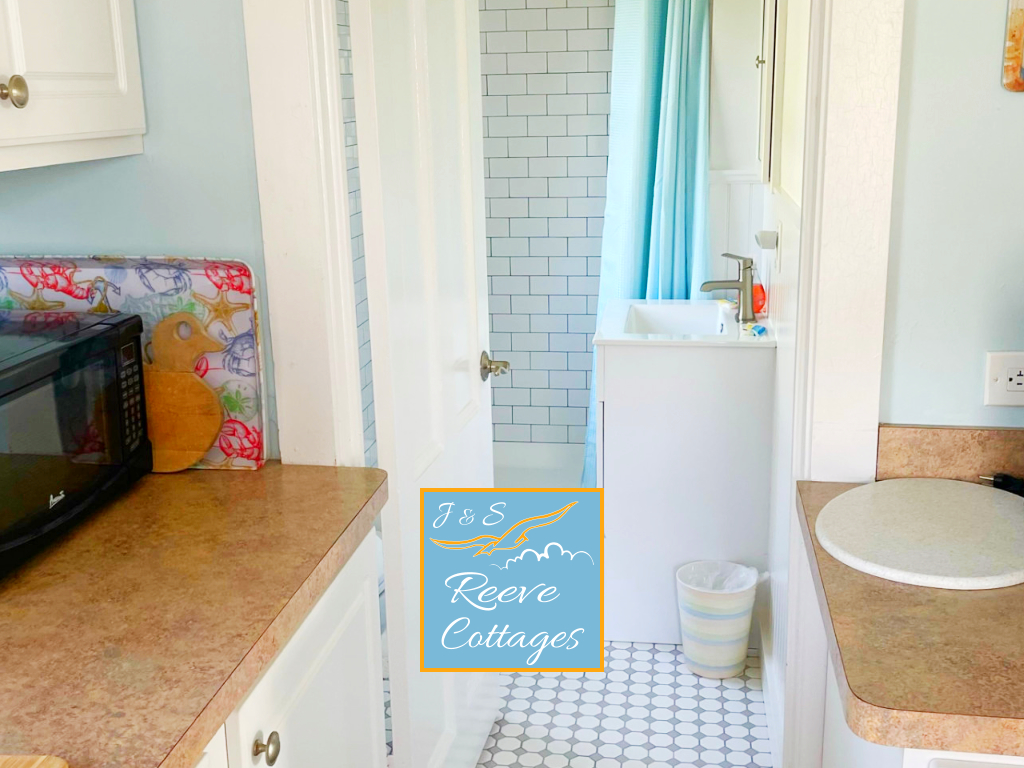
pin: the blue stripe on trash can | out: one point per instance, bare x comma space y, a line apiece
726, 668
705, 615
708, 641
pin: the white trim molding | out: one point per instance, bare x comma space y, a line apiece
853, 79
294, 81
847, 228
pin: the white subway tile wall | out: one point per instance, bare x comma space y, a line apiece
546, 67
348, 109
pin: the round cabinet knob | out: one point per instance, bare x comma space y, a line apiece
272, 748
16, 90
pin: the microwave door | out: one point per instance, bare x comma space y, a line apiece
86, 400
58, 439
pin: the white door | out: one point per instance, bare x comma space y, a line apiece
80, 59
418, 102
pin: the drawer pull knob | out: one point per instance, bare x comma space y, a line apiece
15, 89
272, 747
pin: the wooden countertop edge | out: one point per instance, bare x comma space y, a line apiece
898, 727
189, 748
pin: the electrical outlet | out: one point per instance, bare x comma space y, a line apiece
1004, 378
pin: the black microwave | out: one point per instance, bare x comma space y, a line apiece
72, 418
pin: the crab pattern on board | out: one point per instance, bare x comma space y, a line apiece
60, 277
219, 293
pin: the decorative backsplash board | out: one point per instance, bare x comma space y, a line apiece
220, 293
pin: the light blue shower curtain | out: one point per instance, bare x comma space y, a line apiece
654, 242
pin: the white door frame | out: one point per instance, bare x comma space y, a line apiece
853, 84
847, 210
294, 83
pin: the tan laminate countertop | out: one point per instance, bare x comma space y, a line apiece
130, 641
917, 666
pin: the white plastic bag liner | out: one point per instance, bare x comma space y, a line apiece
716, 601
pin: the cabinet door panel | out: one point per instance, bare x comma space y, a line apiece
64, 50
323, 694
81, 61
216, 753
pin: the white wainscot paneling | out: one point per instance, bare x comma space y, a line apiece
735, 215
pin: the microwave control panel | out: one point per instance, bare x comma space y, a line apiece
131, 396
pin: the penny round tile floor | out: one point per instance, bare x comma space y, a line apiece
645, 711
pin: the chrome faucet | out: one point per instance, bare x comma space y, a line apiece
745, 286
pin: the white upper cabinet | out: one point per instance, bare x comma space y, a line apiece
80, 61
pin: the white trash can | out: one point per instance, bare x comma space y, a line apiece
716, 601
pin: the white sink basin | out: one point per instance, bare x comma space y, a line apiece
692, 318
928, 532
675, 322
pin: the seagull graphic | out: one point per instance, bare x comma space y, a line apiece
488, 545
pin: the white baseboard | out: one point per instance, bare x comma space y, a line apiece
538, 455
538, 465
774, 702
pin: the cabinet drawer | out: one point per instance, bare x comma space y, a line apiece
323, 693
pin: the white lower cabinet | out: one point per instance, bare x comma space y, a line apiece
842, 748
216, 753
323, 694
640, 423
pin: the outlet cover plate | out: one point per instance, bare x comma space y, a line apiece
1004, 384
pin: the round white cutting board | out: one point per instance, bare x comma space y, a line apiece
932, 533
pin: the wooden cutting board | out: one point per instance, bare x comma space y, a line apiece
183, 413
31, 761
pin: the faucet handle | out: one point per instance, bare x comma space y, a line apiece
745, 261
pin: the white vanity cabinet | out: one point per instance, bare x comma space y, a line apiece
841, 748
323, 694
80, 61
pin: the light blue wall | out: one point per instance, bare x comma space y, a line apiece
956, 270
193, 192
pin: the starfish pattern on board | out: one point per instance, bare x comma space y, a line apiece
35, 302
220, 308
